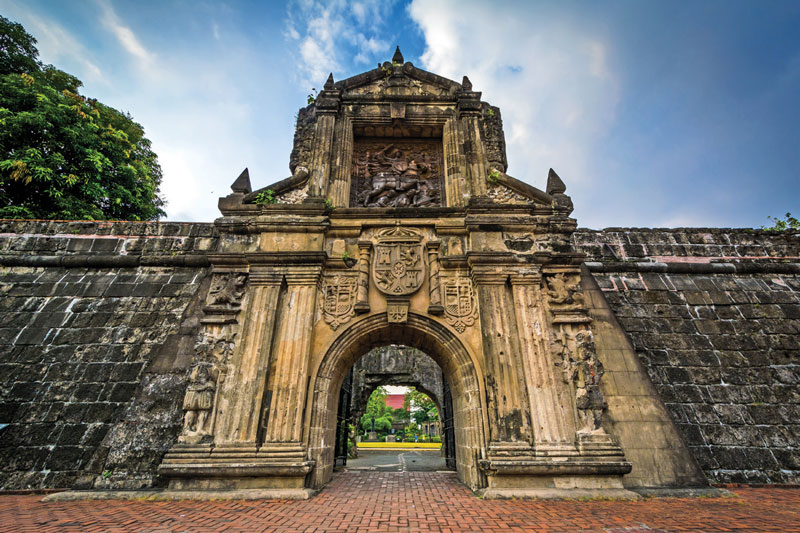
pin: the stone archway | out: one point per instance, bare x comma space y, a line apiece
439, 343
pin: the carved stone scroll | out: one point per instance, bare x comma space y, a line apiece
460, 303
397, 173
505, 195
398, 268
338, 299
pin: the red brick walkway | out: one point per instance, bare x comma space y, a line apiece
423, 501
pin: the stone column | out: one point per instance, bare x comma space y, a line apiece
507, 402
435, 307
284, 432
243, 389
551, 408
362, 294
339, 191
327, 105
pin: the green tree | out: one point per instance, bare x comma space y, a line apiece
422, 408
377, 408
62, 155
789, 222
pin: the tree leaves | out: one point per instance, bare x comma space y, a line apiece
62, 155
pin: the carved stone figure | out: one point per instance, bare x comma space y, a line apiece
399, 174
338, 299
460, 304
564, 292
586, 373
398, 268
227, 290
197, 404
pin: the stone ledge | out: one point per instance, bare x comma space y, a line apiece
172, 495
558, 494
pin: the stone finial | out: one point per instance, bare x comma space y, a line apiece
554, 183
329, 85
242, 183
466, 84
398, 57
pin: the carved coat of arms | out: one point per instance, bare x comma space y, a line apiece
398, 267
338, 299
460, 305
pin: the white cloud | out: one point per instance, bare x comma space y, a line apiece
325, 29
126, 37
549, 75
56, 45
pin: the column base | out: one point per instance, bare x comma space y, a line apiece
591, 468
232, 467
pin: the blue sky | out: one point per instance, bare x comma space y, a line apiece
670, 113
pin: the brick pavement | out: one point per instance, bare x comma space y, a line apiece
417, 501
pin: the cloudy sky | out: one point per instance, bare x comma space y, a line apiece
655, 113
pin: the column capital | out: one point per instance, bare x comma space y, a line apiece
265, 276
308, 275
434, 245
526, 277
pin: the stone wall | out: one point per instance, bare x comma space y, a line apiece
99, 322
714, 316
95, 319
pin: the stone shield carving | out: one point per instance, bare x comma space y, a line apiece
398, 268
460, 305
338, 299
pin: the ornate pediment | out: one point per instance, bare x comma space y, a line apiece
398, 78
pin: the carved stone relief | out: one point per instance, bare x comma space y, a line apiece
586, 372
295, 196
397, 266
213, 349
227, 289
460, 303
505, 195
564, 292
338, 299
396, 173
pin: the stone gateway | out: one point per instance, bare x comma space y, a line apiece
401, 168
571, 362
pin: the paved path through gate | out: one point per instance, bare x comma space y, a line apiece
408, 501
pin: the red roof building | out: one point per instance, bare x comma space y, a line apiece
395, 401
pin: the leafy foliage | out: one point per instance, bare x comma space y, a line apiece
377, 408
266, 197
62, 155
789, 222
422, 408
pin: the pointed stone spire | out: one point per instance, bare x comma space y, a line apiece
242, 183
554, 183
329, 85
466, 84
398, 57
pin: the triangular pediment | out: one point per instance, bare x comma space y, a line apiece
392, 79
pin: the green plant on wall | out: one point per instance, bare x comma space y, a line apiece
493, 176
789, 222
265, 197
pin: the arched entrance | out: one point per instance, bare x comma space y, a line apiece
460, 369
